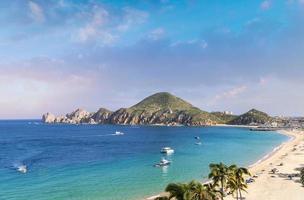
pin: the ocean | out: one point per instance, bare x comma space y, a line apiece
91, 162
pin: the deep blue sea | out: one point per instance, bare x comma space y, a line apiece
89, 162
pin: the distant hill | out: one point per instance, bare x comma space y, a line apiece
251, 117
224, 118
165, 109
158, 109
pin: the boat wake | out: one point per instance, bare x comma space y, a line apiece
117, 133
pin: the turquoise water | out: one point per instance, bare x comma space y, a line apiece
88, 162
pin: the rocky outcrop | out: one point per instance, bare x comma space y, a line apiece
102, 116
48, 118
158, 109
76, 117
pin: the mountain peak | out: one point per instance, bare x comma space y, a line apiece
162, 100
253, 116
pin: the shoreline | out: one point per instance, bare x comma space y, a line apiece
295, 136
275, 149
287, 159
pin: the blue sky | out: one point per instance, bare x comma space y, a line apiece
58, 55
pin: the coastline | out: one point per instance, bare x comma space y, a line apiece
286, 159
258, 167
277, 151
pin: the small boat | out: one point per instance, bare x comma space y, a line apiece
198, 143
163, 163
119, 133
196, 137
167, 150
22, 169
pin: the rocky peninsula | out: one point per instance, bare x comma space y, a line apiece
158, 109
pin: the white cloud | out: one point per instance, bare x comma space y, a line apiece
132, 17
156, 34
95, 29
265, 5
36, 12
201, 43
232, 93
39, 86
253, 21
101, 29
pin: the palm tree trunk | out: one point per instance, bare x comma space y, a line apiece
237, 194
241, 195
222, 192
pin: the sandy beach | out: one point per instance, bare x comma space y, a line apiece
287, 159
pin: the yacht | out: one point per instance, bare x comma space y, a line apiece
163, 163
22, 169
167, 150
119, 133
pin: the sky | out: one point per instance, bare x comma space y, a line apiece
59, 55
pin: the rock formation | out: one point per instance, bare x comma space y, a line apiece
158, 109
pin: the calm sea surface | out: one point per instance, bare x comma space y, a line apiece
89, 162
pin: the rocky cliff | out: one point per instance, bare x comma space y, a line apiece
159, 109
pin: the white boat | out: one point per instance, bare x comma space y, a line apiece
163, 163
119, 133
198, 143
22, 169
167, 150
197, 137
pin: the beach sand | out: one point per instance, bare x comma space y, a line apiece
278, 186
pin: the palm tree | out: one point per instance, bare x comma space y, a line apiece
199, 191
220, 174
191, 191
178, 191
237, 182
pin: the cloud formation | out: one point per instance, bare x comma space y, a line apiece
36, 12
265, 5
90, 54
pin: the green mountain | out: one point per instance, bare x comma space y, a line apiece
161, 100
253, 116
165, 109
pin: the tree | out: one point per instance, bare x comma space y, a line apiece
236, 182
199, 191
220, 174
191, 191
178, 191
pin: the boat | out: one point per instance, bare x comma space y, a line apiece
167, 150
119, 133
163, 162
198, 143
22, 169
197, 137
